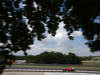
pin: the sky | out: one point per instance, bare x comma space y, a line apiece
61, 43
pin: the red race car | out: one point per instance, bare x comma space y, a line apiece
68, 69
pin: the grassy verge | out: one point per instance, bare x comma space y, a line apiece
57, 66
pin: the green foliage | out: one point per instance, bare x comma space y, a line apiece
54, 58
86, 58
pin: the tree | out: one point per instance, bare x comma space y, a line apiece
45, 58
22, 20
56, 58
73, 59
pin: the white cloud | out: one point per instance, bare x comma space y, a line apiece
61, 43
77, 33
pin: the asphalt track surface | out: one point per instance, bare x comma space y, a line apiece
45, 73
49, 70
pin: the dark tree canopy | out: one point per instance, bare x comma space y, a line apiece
22, 20
55, 58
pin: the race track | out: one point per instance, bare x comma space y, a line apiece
45, 73
48, 70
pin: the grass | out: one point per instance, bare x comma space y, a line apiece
37, 66
56, 66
